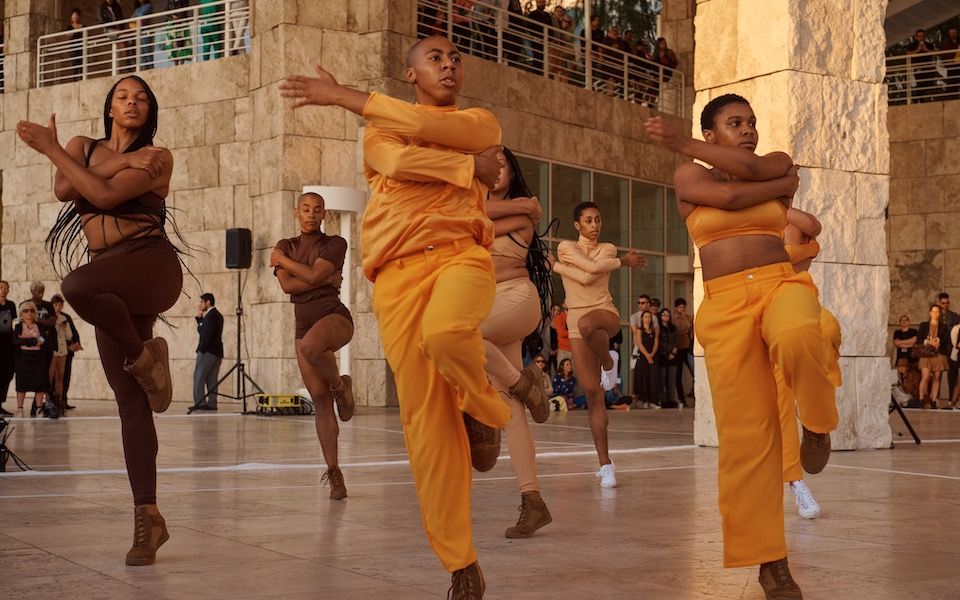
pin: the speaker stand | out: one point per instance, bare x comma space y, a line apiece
243, 378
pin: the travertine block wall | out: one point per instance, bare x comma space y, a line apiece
813, 73
923, 246
242, 156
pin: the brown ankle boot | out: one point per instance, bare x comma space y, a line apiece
533, 515
333, 476
152, 371
149, 533
814, 451
777, 582
467, 583
484, 443
529, 391
343, 396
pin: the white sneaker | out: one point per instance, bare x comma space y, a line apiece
808, 507
607, 475
608, 379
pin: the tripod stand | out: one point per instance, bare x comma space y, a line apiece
6, 452
242, 377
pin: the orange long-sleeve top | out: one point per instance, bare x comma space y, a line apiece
419, 163
585, 266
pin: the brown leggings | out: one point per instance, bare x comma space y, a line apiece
120, 292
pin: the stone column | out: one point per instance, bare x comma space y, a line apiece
812, 70
310, 146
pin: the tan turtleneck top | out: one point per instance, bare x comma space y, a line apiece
585, 266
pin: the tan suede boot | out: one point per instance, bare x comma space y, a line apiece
152, 371
149, 533
529, 390
333, 476
343, 396
776, 581
484, 443
533, 515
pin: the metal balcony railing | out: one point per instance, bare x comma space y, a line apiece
489, 32
929, 77
159, 40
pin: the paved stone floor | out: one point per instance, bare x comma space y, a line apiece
248, 518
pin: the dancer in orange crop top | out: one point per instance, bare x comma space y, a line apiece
584, 267
756, 312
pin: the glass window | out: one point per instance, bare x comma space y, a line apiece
678, 241
571, 186
611, 195
649, 281
647, 202
536, 173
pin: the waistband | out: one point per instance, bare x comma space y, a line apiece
764, 274
432, 250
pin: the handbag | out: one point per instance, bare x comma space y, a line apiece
923, 351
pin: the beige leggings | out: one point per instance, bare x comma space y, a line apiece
515, 313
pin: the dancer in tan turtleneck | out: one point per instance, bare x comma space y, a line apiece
592, 319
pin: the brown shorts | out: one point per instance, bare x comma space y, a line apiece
306, 314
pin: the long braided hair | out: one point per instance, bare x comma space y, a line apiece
537, 265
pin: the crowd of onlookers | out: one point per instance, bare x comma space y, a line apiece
37, 343
923, 56
548, 42
923, 354
660, 348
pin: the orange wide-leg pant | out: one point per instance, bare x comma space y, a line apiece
748, 322
832, 338
429, 307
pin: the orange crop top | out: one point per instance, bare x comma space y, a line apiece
800, 252
708, 224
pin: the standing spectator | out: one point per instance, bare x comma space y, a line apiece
8, 313
206, 371
955, 349
595, 48
667, 361
950, 319
933, 362
109, 12
952, 62
484, 18
537, 26
462, 33
76, 37
144, 8
46, 318
211, 29
551, 357
563, 335
646, 374
655, 309
643, 303
922, 64
904, 339
640, 74
684, 325
512, 42
179, 45
616, 54
668, 60
61, 340
29, 362
238, 18
72, 348
561, 48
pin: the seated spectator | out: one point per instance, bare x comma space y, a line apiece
615, 401
564, 384
906, 392
542, 363
904, 339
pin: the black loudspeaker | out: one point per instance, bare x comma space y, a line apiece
239, 248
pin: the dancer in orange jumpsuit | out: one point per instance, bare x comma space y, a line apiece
425, 237
757, 312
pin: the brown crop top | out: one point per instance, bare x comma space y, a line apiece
149, 203
801, 252
708, 224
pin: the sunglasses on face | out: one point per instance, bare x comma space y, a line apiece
28, 310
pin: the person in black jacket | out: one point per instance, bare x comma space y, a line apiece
209, 355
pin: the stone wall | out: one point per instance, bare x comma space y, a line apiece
242, 156
923, 245
813, 73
